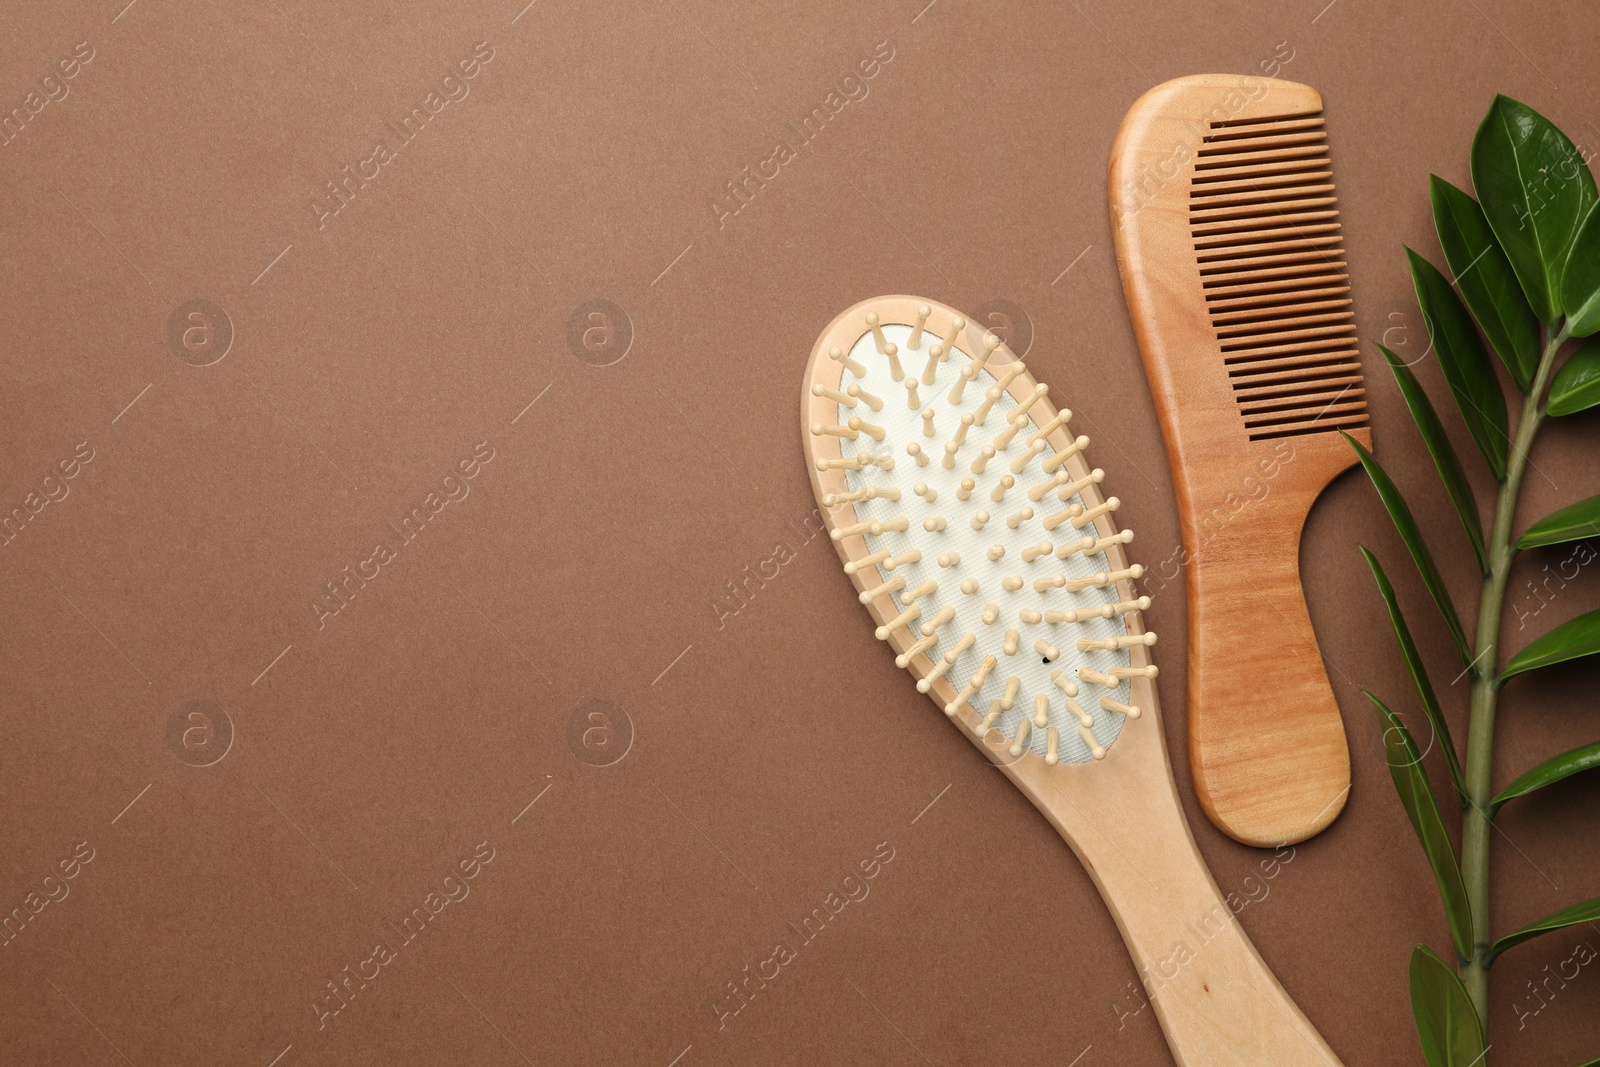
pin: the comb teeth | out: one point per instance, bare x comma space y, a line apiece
1266, 236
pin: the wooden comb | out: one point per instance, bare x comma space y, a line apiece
1228, 242
974, 530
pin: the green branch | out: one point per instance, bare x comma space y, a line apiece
1524, 259
1484, 673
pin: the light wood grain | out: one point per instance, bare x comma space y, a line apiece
1218, 1004
1230, 261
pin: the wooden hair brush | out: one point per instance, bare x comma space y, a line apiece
975, 533
1228, 241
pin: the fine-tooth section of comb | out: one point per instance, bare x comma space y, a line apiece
1266, 235
1228, 240
972, 526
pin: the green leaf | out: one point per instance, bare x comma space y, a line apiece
1577, 383
1551, 771
1572, 523
1416, 795
1465, 364
1418, 672
1573, 639
1395, 504
1580, 282
1487, 283
1447, 1024
1536, 191
1443, 453
1586, 912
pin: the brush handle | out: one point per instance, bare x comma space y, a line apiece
1218, 1004
1265, 776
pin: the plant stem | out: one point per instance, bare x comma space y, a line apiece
1484, 672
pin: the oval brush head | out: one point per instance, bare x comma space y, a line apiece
975, 531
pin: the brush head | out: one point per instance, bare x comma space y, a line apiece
974, 530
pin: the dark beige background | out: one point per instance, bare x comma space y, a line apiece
770, 753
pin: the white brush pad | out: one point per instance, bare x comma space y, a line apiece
904, 425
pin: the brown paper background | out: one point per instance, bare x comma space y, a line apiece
768, 754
